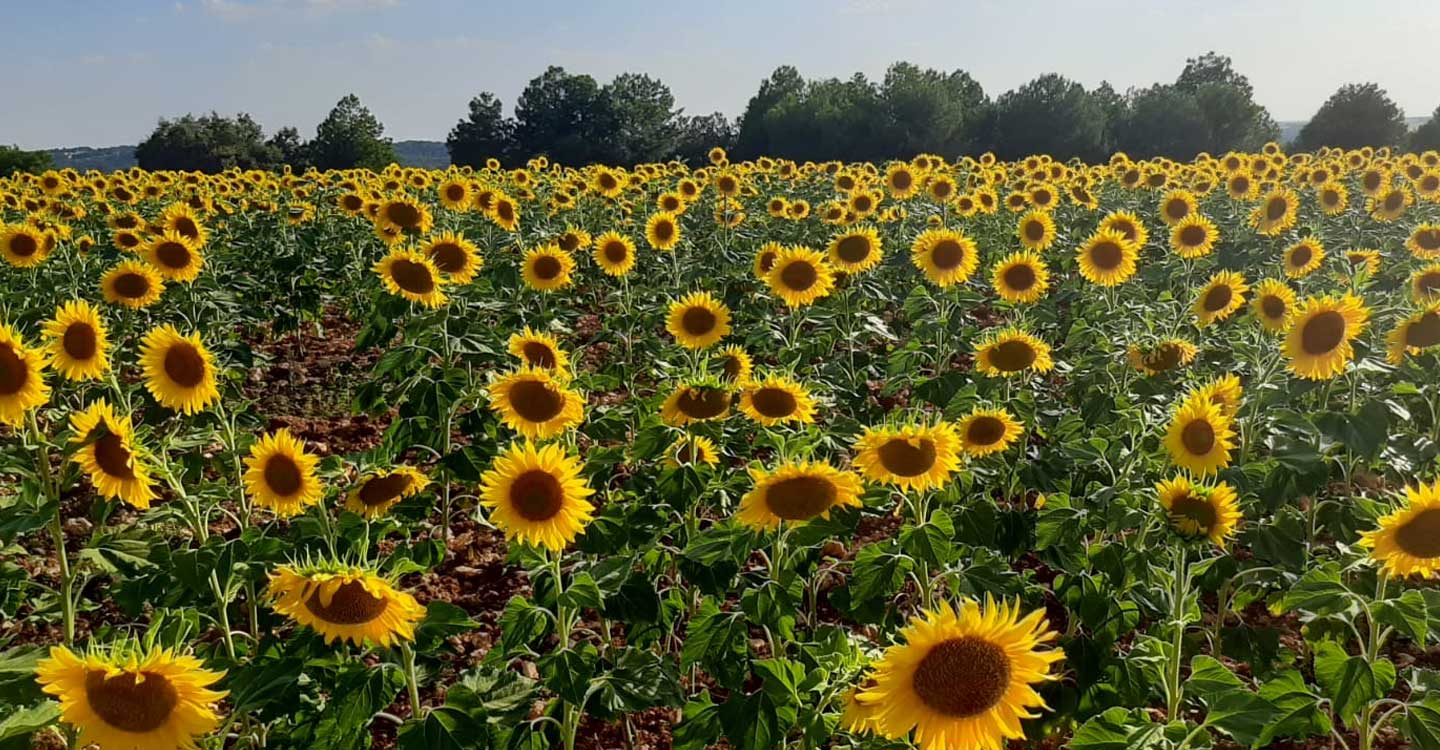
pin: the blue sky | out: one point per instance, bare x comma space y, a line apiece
101, 72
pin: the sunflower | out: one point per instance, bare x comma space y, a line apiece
799, 276
765, 259
1219, 298
1036, 230
1413, 334
986, 431
547, 268
796, 492
1194, 236
1011, 351
22, 379
1424, 242
1199, 437
901, 181
1407, 541
1302, 258
698, 320
1129, 226
963, 679
1275, 213
1390, 204
377, 492
1199, 511
537, 495
1107, 258
126, 698
403, 215
856, 717
24, 246
344, 603
1274, 302
856, 250
174, 257
455, 194
695, 402
692, 450
777, 400
280, 475
614, 253
945, 256
179, 371
412, 275
662, 230
735, 365
1425, 284
104, 449
1318, 342
504, 212
1177, 206
1163, 357
1225, 392
131, 284
183, 220
539, 350
453, 256
535, 403
911, 457
1022, 277
79, 343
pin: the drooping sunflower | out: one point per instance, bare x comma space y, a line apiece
454, 256
377, 492
1176, 207
856, 250
1406, 542
1021, 277
1194, 237
1425, 284
345, 603
1036, 230
1199, 437
799, 276
1129, 226
179, 371
404, 215
795, 493
1365, 262
1318, 343
412, 275
1302, 258
1424, 242
777, 400
79, 344
280, 475
1220, 298
910, 457
537, 495
614, 253
540, 350
22, 379
547, 268
695, 402
133, 285
1273, 304
1011, 351
1225, 392
662, 230
735, 365
1164, 356
105, 451
698, 320
963, 679
23, 246
945, 256
1197, 510
1275, 213
535, 403
1106, 258
126, 698
1413, 334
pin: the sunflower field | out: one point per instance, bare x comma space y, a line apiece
951, 455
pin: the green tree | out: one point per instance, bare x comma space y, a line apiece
700, 134
1427, 136
829, 119
561, 116
640, 122
14, 159
1233, 120
350, 137
930, 111
753, 138
484, 133
209, 143
1051, 115
1356, 115
288, 147
1161, 121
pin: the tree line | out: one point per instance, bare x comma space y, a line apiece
574, 119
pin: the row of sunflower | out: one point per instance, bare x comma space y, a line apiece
1028, 448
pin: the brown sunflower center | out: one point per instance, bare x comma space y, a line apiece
173, 255
774, 403
505, 210
1218, 298
908, 458
947, 254
703, 403
615, 251
1273, 307
569, 242
1165, 357
767, 261
23, 245
1198, 437
1276, 208
861, 203
537, 495
1107, 255
1394, 201
1125, 228
1424, 332
536, 401
1420, 536
455, 192
1323, 333
669, 203
801, 498
184, 365
1329, 197
902, 180
352, 203
350, 605
80, 341
113, 457
1034, 230
853, 249
985, 431
403, 214
799, 276
128, 240
1177, 209
132, 285
282, 475
546, 267
962, 677
538, 354
1300, 256
1194, 508
1428, 239
412, 277
130, 702
1428, 283
1192, 236
1012, 356
448, 257
185, 227
698, 321
1020, 277
381, 490
664, 230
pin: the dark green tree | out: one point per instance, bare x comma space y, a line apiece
700, 134
561, 116
1356, 115
640, 122
350, 137
485, 133
1161, 121
753, 139
930, 111
1427, 136
1049, 115
829, 119
1233, 120
209, 143
288, 147
14, 159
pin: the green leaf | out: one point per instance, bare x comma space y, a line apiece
1351, 682
356, 695
1209, 678
445, 728
17, 676
582, 593
639, 680
1118, 729
442, 620
1422, 724
719, 642
19, 725
1242, 715
521, 624
568, 672
878, 573
1407, 613
930, 541
1319, 591
699, 726
1298, 713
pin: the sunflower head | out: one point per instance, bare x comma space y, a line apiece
1167, 355
1425, 284
735, 365
1424, 242
1407, 541
614, 253
537, 495
800, 276
131, 284
1199, 437
539, 350
1220, 298
344, 603
986, 431
1106, 258
1415, 333
536, 403
78, 341
1195, 510
695, 402
1273, 305
777, 400
1318, 342
692, 450
1012, 351
698, 320
378, 491
1275, 213
547, 268
856, 250
103, 446
1021, 278
455, 257
945, 256
1194, 236
1302, 258
280, 474
910, 457
796, 493
24, 246
411, 274
179, 371
662, 230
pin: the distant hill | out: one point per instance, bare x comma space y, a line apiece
427, 154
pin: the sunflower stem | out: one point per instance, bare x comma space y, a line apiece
412, 683
57, 528
1174, 689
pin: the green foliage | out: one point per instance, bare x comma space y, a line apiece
350, 137
14, 159
209, 143
1355, 115
1049, 115
484, 133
